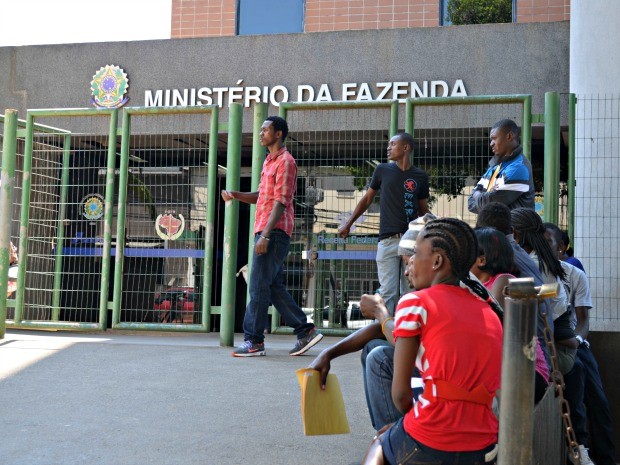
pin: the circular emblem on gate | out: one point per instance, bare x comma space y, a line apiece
109, 86
170, 225
92, 206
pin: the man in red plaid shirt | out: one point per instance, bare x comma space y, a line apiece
273, 227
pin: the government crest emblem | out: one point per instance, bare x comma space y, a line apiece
108, 87
92, 206
170, 225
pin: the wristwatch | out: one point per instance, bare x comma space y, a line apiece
582, 341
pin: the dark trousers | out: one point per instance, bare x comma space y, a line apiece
588, 403
267, 286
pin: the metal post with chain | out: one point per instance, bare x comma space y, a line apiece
558, 379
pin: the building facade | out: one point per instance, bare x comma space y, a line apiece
216, 18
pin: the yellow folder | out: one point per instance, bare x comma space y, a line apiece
322, 411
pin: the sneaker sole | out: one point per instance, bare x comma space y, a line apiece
311, 344
259, 353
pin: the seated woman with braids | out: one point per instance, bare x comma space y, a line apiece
494, 267
452, 335
529, 232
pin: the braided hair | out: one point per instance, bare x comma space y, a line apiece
531, 230
458, 240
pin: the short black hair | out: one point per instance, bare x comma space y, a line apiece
506, 126
495, 215
407, 138
497, 251
279, 124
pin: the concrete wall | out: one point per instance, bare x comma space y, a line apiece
594, 70
490, 59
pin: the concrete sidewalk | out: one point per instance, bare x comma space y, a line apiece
162, 399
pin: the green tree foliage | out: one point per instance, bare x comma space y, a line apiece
479, 11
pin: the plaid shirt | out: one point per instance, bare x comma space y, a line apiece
278, 181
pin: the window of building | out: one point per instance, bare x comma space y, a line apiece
443, 12
270, 16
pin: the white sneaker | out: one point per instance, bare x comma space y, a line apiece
583, 455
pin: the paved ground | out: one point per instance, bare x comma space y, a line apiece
151, 399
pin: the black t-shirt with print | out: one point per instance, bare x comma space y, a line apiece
399, 196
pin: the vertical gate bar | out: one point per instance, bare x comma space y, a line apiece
24, 217
572, 102
231, 225
213, 199
120, 221
394, 119
60, 233
9, 149
409, 117
258, 156
526, 129
108, 218
552, 157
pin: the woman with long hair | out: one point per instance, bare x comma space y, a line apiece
448, 330
494, 267
529, 232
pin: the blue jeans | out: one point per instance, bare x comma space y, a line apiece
390, 269
378, 371
267, 287
400, 448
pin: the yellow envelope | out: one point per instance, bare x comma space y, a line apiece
322, 411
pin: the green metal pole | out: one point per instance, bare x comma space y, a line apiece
24, 217
60, 233
409, 117
213, 199
120, 221
526, 130
108, 219
9, 149
231, 226
572, 103
258, 156
394, 119
552, 157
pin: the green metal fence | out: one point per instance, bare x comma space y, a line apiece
337, 146
60, 285
78, 211
125, 228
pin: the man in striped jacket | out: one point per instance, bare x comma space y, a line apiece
509, 178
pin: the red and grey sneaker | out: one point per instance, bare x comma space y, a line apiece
303, 344
249, 349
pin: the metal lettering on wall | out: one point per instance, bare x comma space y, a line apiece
351, 91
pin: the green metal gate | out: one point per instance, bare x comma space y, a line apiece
60, 284
153, 213
166, 209
116, 227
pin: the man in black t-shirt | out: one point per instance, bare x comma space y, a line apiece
404, 197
